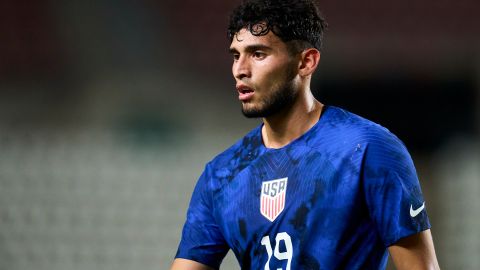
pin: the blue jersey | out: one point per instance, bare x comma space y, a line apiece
334, 198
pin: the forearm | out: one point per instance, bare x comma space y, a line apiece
415, 252
183, 264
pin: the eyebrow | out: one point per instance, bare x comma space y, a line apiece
252, 48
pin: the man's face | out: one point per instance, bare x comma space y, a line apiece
265, 73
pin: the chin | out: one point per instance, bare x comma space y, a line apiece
252, 112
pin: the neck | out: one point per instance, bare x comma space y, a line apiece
287, 125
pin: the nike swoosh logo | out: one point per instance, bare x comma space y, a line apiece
414, 213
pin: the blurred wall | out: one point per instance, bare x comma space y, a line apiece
110, 109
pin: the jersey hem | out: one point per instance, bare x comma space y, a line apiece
404, 235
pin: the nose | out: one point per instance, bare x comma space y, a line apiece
241, 68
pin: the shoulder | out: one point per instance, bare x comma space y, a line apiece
382, 150
223, 167
240, 149
344, 128
229, 162
354, 125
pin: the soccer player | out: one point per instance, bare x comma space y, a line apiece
313, 186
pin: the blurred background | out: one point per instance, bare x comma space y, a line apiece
110, 109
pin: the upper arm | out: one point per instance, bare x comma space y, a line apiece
392, 189
392, 193
202, 239
415, 252
183, 264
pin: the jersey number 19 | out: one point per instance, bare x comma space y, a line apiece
286, 255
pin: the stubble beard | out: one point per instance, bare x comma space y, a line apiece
282, 97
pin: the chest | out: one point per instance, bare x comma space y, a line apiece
286, 193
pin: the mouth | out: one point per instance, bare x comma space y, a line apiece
244, 92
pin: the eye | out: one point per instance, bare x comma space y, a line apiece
235, 56
259, 55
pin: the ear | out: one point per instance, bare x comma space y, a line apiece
309, 62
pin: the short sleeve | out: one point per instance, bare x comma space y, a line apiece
393, 194
202, 240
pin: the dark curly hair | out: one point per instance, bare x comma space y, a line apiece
298, 23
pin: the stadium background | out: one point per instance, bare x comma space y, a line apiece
110, 109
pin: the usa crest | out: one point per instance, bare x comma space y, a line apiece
272, 198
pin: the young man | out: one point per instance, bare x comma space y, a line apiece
314, 186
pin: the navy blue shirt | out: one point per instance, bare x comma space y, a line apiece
334, 198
